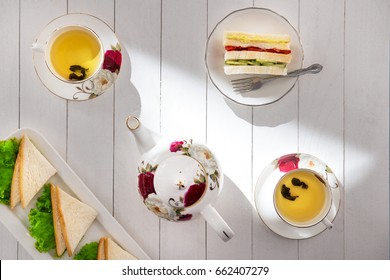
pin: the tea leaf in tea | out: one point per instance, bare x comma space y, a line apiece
286, 193
79, 72
298, 183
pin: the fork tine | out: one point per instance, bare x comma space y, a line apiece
242, 83
242, 80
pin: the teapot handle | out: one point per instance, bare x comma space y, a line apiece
217, 223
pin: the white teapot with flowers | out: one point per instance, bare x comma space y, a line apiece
178, 180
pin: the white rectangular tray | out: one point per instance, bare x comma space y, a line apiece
16, 221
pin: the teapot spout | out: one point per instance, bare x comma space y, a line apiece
143, 136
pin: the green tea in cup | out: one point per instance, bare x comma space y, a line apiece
74, 53
302, 198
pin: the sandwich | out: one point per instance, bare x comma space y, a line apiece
248, 53
59, 221
71, 220
31, 171
109, 250
104, 249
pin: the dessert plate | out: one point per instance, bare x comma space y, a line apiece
16, 220
98, 83
264, 192
253, 20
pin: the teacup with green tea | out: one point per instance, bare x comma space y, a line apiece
73, 53
302, 198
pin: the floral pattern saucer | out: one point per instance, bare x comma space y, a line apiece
264, 191
98, 83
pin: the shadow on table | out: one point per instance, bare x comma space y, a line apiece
271, 115
128, 99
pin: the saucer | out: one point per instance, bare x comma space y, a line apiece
252, 20
97, 84
265, 186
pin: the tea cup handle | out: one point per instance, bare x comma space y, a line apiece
327, 223
217, 223
38, 47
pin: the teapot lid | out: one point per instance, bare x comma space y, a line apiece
180, 180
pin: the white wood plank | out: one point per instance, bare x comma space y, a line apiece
39, 108
183, 106
321, 108
9, 73
229, 131
90, 124
138, 26
367, 30
9, 105
275, 133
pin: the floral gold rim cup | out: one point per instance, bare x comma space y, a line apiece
178, 180
303, 198
72, 46
77, 56
303, 193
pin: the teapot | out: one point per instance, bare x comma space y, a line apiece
178, 180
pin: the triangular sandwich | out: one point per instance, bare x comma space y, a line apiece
32, 170
109, 250
75, 217
101, 255
59, 237
15, 190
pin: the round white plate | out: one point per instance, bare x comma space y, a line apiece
97, 84
264, 192
253, 20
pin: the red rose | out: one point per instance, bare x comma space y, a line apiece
145, 184
185, 217
288, 162
112, 60
176, 146
193, 194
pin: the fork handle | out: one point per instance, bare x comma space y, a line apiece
312, 69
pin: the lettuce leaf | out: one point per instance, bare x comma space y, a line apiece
9, 150
41, 222
88, 252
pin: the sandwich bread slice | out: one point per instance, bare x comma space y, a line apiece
59, 236
32, 170
109, 250
71, 218
15, 190
248, 53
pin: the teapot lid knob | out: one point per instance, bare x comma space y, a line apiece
132, 122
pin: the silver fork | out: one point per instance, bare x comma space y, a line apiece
253, 83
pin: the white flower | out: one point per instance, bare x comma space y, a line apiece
159, 208
205, 157
103, 81
312, 163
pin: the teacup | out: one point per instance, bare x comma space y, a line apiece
72, 53
303, 198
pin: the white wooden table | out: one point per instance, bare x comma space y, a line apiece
340, 115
